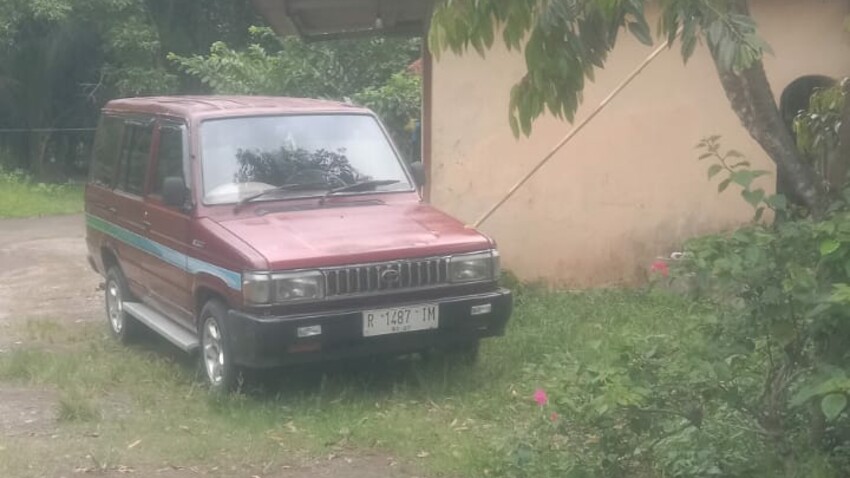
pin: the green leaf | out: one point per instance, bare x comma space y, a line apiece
514, 125
833, 382
833, 404
754, 198
640, 29
715, 32
726, 53
689, 40
777, 202
745, 178
829, 246
689, 45
714, 170
724, 184
742, 178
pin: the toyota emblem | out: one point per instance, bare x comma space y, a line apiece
390, 276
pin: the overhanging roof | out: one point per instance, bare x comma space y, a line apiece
324, 19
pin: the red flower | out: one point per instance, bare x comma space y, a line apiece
660, 267
553, 417
540, 397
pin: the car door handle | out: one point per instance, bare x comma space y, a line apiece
102, 205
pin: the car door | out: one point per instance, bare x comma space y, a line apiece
133, 249
100, 209
168, 226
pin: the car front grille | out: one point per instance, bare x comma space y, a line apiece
386, 277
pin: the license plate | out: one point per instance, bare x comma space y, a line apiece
400, 319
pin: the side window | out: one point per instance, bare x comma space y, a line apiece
106, 151
169, 157
135, 153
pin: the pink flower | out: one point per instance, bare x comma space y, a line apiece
660, 267
540, 397
553, 417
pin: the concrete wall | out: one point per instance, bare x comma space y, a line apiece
629, 188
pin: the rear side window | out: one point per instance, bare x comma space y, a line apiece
105, 154
135, 153
169, 157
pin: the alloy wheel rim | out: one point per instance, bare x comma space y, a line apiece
115, 307
213, 352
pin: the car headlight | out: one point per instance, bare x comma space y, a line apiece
477, 267
264, 289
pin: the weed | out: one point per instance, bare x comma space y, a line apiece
76, 407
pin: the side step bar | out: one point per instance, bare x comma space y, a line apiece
174, 333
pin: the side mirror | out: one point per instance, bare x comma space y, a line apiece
418, 171
174, 192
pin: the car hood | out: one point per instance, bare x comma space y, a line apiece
348, 235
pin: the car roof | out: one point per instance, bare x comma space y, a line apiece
200, 107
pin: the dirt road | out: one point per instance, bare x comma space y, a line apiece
44, 273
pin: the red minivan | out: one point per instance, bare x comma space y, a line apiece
269, 231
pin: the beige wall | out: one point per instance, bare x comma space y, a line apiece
628, 189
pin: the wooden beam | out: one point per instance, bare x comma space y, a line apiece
427, 113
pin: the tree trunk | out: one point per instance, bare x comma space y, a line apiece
37, 149
752, 100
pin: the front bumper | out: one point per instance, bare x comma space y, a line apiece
261, 342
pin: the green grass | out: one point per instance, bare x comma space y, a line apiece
22, 197
447, 420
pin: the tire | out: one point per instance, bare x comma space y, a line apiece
217, 366
122, 326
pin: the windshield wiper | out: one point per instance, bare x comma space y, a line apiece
358, 186
285, 187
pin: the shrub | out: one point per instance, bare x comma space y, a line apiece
752, 382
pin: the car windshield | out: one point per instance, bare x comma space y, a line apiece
299, 155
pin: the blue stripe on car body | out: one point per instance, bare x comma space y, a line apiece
175, 258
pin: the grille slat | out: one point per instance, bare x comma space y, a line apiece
376, 278
336, 284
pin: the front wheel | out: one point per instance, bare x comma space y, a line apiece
121, 324
222, 375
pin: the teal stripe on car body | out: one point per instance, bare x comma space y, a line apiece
177, 259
